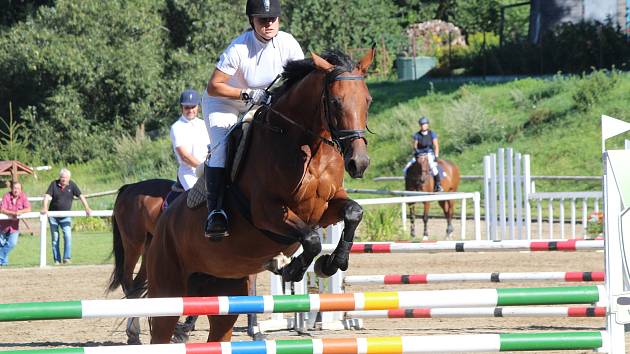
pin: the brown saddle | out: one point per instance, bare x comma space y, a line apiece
238, 145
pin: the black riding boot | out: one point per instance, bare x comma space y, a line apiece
437, 187
216, 224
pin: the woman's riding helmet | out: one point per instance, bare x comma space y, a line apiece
263, 8
423, 120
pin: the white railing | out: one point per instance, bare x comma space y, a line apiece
509, 194
419, 197
43, 224
574, 198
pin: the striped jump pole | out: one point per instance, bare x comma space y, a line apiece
480, 312
494, 277
381, 345
224, 305
472, 246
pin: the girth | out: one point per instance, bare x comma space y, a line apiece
242, 204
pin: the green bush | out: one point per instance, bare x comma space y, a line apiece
380, 224
592, 88
91, 224
137, 158
469, 118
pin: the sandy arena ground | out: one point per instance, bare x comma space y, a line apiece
88, 282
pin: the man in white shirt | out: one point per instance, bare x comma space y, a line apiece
189, 139
247, 66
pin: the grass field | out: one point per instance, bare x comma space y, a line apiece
87, 248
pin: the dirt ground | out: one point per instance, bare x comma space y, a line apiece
88, 282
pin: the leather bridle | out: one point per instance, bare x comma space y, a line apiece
339, 137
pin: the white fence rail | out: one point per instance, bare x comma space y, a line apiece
43, 225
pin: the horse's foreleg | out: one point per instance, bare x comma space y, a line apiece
425, 218
412, 219
293, 226
352, 213
447, 207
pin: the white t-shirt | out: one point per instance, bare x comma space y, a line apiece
192, 135
252, 63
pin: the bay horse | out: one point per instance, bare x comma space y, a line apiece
134, 217
290, 185
419, 178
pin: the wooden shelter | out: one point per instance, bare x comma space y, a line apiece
14, 168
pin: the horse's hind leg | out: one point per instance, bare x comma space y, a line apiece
447, 207
425, 218
131, 288
252, 319
165, 280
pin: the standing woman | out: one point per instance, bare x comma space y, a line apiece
246, 67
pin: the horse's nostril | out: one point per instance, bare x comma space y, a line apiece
352, 167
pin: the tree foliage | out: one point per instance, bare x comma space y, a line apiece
343, 24
81, 74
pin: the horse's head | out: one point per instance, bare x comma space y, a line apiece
346, 101
423, 162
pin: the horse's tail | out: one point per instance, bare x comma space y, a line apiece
118, 250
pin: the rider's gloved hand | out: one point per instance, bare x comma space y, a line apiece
256, 96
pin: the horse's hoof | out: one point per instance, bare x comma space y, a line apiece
179, 338
258, 336
323, 267
425, 238
134, 340
292, 275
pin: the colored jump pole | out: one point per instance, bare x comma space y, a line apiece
495, 277
224, 305
472, 246
482, 312
381, 345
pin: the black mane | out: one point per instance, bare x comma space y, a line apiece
294, 71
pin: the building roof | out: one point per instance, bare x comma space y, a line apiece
14, 168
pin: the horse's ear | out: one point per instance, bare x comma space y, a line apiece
366, 61
321, 63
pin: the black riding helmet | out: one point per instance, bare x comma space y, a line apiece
263, 8
423, 120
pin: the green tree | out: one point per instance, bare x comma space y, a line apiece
343, 24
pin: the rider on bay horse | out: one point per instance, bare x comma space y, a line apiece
425, 141
247, 66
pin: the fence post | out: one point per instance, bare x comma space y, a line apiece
550, 210
463, 218
562, 218
502, 197
43, 222
510, 191
527, 190
403, 214
493, 198
486, 193
477, 211
519, 196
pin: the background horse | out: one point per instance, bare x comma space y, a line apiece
419, 178
290, 185
135, 215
